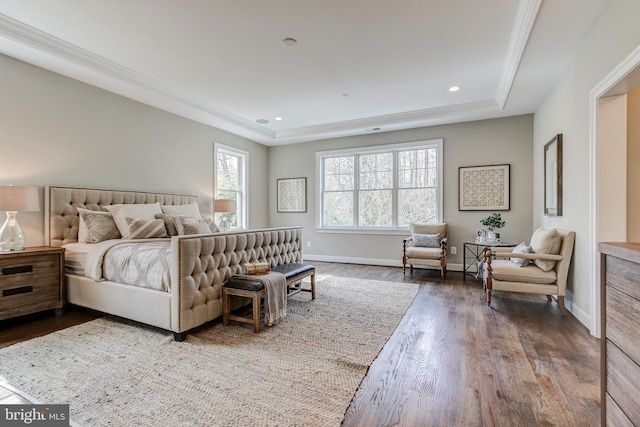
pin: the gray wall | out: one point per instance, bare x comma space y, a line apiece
487, 142
566, 109
57, 131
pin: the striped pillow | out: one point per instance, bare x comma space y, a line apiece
140, 228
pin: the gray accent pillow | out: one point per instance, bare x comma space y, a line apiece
140, 228
212, 225
197, 228
100, 226
426, 240
522, 248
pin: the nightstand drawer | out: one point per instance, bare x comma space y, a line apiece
31, 281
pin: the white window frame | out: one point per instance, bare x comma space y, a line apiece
243, 206
320, 155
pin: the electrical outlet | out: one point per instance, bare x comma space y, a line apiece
454, 250
308, 243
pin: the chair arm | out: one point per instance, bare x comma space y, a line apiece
527, 256
407, 240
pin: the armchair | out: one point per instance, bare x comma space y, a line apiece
547, 273
427, 245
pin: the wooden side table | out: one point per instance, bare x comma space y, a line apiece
31, 280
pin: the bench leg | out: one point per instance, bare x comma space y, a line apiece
313, 286
225, 307
256, 313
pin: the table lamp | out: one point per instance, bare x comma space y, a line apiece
14, 199
224, 206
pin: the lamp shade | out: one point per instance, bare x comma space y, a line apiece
224, 205
19, 199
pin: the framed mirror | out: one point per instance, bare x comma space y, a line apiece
553, 176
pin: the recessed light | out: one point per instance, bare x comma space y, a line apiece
278, 118
454, 88
290, 41
345, 94
262, 121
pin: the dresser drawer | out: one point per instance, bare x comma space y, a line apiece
623, 275
615, 416
623, 318
622, 378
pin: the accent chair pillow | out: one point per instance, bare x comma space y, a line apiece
546, 242
100, 226
426, 240
124, 211
192, 209
522, 248
146, 228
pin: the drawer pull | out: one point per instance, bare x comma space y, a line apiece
17, 270
16, 291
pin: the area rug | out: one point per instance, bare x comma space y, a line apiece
302, 372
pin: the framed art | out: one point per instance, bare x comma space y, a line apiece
553, 176
484, 188
292, 195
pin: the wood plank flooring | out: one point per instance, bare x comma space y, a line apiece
452, 361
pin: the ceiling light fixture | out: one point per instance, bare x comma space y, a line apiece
454, 88
262, 121
278, 118
289, 41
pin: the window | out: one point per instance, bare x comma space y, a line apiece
230, 183
382, 188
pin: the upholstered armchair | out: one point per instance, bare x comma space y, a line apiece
427, 246
540, 268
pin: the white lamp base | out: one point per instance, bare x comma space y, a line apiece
11, 235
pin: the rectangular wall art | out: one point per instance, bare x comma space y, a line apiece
483, 188
292, 195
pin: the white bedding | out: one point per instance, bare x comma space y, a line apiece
143, 262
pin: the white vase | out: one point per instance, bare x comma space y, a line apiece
491, 236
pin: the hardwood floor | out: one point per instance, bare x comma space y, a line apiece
452, 361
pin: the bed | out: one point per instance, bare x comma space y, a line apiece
199, 264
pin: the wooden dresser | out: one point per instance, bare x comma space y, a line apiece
31, 280
620, 355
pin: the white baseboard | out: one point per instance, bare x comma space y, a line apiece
369, 261
582, 316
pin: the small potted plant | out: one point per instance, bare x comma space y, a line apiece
493, 222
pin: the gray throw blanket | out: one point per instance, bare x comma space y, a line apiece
275, 296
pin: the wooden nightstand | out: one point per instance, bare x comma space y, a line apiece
31, 280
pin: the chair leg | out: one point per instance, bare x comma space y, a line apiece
488, 296
563, 309
548, 297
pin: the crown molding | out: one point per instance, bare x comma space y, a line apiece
31, 45
522, 27
49, 52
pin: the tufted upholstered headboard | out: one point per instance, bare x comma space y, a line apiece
61, 220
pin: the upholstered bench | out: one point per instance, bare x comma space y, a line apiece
245, 286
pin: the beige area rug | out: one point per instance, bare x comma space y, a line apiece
301, 372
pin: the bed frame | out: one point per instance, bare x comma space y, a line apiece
200, 264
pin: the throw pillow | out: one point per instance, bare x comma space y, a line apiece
426, 240
83, 233
100, 226
522, 248
546, 242
213, 227
140, 228
124, 211
169, 223
182, 220
192, 209
197, 228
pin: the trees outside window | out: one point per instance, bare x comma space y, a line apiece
381, 187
